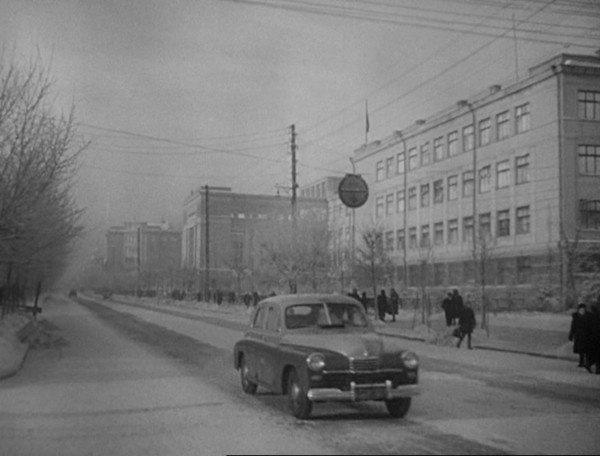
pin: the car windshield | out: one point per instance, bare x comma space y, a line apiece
325, 315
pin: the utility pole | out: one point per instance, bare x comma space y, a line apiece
207, 245
294, 188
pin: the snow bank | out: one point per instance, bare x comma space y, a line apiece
12, 350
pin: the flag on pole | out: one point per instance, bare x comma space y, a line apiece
366, 116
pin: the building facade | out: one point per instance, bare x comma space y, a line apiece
143, 247
235, 226
511, 176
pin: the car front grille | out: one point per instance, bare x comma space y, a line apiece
364, 364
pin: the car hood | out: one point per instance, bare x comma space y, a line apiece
351, 345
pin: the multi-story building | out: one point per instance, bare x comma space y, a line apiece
143, 247
512, 174
234, 226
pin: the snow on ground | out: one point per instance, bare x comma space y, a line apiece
11, 349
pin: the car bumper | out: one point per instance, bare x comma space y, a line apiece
372, 392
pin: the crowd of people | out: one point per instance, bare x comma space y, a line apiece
585, 335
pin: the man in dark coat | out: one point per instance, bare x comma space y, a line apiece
394, 303
457, 305
364, 300
447, 306
466, 325
580, 334
382, 304
594, 349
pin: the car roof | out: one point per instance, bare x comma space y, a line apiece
308, 298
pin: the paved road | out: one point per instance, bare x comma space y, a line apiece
162, 383
108, 394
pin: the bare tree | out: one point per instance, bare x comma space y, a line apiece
305, 261
373, 259
38, 163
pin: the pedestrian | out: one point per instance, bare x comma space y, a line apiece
580, 334
456, 307
354, 294
364, 300
594, 349
394, 303
382, 304
466, 325
447, 306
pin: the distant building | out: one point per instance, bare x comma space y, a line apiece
526, 157
143, 247
235, 224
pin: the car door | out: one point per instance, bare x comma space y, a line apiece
255, 344
272, 350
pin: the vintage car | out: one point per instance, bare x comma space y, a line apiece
316, 348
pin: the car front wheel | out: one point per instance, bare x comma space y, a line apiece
248, 385
398, 408
299, 403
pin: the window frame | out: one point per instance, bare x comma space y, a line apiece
502, 125
503, 174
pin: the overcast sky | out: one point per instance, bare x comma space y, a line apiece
181, 93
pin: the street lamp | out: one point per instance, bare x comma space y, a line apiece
467, 104
404, 259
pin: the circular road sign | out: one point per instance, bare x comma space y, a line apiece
353, 190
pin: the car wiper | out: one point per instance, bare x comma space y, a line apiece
333, 325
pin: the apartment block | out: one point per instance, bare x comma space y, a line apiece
512, 173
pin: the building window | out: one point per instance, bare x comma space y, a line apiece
522, 118
589, 160
502, 125
452, 187
400, 239
468, 138
413, 158
468, 229
523, 220
438, 191
425, 154
412, 237
438, 233
523, 269
400, 163
485, 131
379, 207
589, 212
438, 148
424, 195
503, 174
389, 240
522, 169
379, 171
400, 201
452, 144
425, 239
412, 198
467, 183
485, 226
453, 231
588, 103
485, 179
503, 228
389, 204
389, 167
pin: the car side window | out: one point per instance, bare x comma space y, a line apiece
259, 318
273, 319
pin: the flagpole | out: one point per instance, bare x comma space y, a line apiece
366, 122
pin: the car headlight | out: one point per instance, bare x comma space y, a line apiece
315, 362
411, 360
